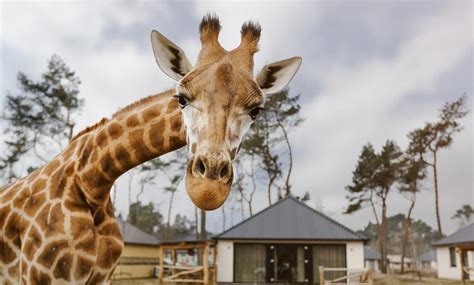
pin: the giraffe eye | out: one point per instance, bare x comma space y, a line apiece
254, 113
183, 102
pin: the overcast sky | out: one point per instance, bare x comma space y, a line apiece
372, 71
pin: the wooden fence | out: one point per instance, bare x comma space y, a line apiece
353, 276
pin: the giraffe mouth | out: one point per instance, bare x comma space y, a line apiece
206, 192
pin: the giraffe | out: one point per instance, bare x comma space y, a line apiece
57, 225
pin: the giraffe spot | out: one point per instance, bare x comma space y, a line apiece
115, 130
108, 252
35, 202
88, 243
173, 105
76, 201
38, 277
51, 252
132, 121
111, 230
177, 142
108, 165
24, 267
123, 157
96, 179
11, 229
32, 244
93, 158
63, 267
55, 224
176, 124
70, 149
50, 167
84, 156
43, 216
39, 185
3, 215
141, 150
101, 139
20, 201
100, 217
33, 176
10, 193
156, 134
80, 226
193, 148
97, 278
152, 112
13, 271
54, 190
7, 254
83, 268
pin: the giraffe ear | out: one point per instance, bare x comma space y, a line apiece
170, 58
275, 76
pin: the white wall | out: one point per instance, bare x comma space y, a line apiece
355, 254
444, 264
225, 261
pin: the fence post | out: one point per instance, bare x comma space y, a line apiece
321, 275
162, 269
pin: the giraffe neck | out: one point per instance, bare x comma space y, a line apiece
140, 132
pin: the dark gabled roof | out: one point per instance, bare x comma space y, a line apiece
464, 235
132, 234
290, 219
371, 254
189, 239
430, 255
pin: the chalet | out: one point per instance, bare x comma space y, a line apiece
372, 258
455, 255
427, 261
286, 243
140, 253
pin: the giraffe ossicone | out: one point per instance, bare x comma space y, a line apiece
57, 225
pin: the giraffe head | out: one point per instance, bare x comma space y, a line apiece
219, 99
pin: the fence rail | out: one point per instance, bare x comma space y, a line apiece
353, 276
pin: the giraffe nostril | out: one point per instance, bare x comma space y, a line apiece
201, 167
224, 171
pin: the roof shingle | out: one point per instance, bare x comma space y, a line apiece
464, 235
132, 234
290, 219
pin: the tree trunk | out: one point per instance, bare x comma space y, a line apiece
407, 233
203, 225
290, 156
168, 222
383, 235
223, 218
435, 174
196, 219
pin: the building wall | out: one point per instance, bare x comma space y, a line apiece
445, 271
132, 271
372, 264
132, 250
225, 258
225, 261
355, 254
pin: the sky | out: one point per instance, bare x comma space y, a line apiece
372, 71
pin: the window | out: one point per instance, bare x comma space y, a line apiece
328, 256
249, 262
452, 256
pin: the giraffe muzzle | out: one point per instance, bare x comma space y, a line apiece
208, 181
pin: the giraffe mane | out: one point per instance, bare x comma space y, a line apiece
89, 129
135, 104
